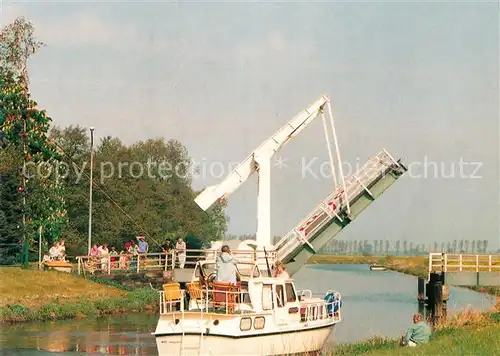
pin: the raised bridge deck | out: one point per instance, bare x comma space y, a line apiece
319, 227
466, 269
339, 208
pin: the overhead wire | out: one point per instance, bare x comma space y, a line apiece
108, 196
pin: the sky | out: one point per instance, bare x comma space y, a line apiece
417, 78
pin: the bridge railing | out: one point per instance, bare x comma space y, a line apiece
165, 261
335, 203
458, 262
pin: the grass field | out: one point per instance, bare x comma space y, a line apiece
468, 333
27, 295
36, 288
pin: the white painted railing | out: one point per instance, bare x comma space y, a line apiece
229, 302
335, 203
455, 262
165, 261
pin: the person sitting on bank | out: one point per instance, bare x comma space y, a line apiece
54, 251
418, 333
226, 266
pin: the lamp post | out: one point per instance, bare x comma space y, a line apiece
90, 190
26, 246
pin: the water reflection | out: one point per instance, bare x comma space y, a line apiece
375, 303
113, 335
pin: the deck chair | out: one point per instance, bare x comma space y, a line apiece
225, 294
195, 293
172, 294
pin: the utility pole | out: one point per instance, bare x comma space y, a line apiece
90, 191
40, 248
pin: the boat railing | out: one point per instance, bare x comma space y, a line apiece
314, 309
214, 300
170, 260
228, 299
320, 310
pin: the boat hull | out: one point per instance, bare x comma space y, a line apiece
278, 343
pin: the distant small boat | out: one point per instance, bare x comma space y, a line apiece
377, 268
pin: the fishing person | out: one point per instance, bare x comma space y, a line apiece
418, 333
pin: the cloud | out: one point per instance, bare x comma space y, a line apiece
274, 44
72, 29
84, 28
277, 51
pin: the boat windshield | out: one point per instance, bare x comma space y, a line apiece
243, 269
208, 268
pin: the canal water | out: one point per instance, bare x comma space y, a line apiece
374, 303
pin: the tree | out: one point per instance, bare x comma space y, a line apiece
466, 243
473, 246
397, 246
24, 131
387, 244
159, 206
405, 247
485, 246
461, 246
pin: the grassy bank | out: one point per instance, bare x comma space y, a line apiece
27, 295
341, 259
414, 265
468, 333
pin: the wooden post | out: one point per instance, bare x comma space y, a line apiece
421, 295
437, 302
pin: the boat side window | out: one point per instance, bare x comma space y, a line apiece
280, 296
245, 324
259, 322
267, 297
291, 297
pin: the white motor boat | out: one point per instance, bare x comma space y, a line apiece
260, 315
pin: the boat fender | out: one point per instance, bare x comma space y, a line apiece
331, 298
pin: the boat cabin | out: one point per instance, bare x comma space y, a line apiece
255, 292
